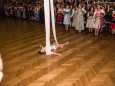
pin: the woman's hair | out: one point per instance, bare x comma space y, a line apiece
91, 8
41, 52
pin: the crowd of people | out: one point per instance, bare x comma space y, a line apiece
24, 10
77, 14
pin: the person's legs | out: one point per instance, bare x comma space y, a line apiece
91, 30
66, 27
61, 45
101, 29
53, 53
79, 30
96, 31
80, 26
58, 46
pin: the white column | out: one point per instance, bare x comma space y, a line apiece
47, 26
53, 20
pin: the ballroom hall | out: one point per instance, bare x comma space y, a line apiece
40, 46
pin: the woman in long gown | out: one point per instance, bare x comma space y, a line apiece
98, 22
59, 15
80, 19
90, 20
66, 20
74, 15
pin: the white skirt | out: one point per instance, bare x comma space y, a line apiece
66, 19
90, 23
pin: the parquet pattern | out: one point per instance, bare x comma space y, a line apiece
86, 61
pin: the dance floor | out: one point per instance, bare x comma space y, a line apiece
86, 61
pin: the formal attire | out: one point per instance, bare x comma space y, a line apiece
59, 15
80, 20
66, 17
98, 23
90, 20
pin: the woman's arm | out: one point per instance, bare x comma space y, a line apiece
84, 11
72, 13
102, 11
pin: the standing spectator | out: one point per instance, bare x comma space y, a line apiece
18, 12
15, 11
80, 20
90, 20
74, 15
108, 15
71, 19
59, 15
102, 18
24, 13
32, 13
112, 25
66, 21
37, 13
97, 22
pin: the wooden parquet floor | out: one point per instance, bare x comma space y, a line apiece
86, 61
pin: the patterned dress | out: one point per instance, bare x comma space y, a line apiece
98, 23
66, 16
80, 20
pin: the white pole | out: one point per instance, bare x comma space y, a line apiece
53, 20
47, 26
